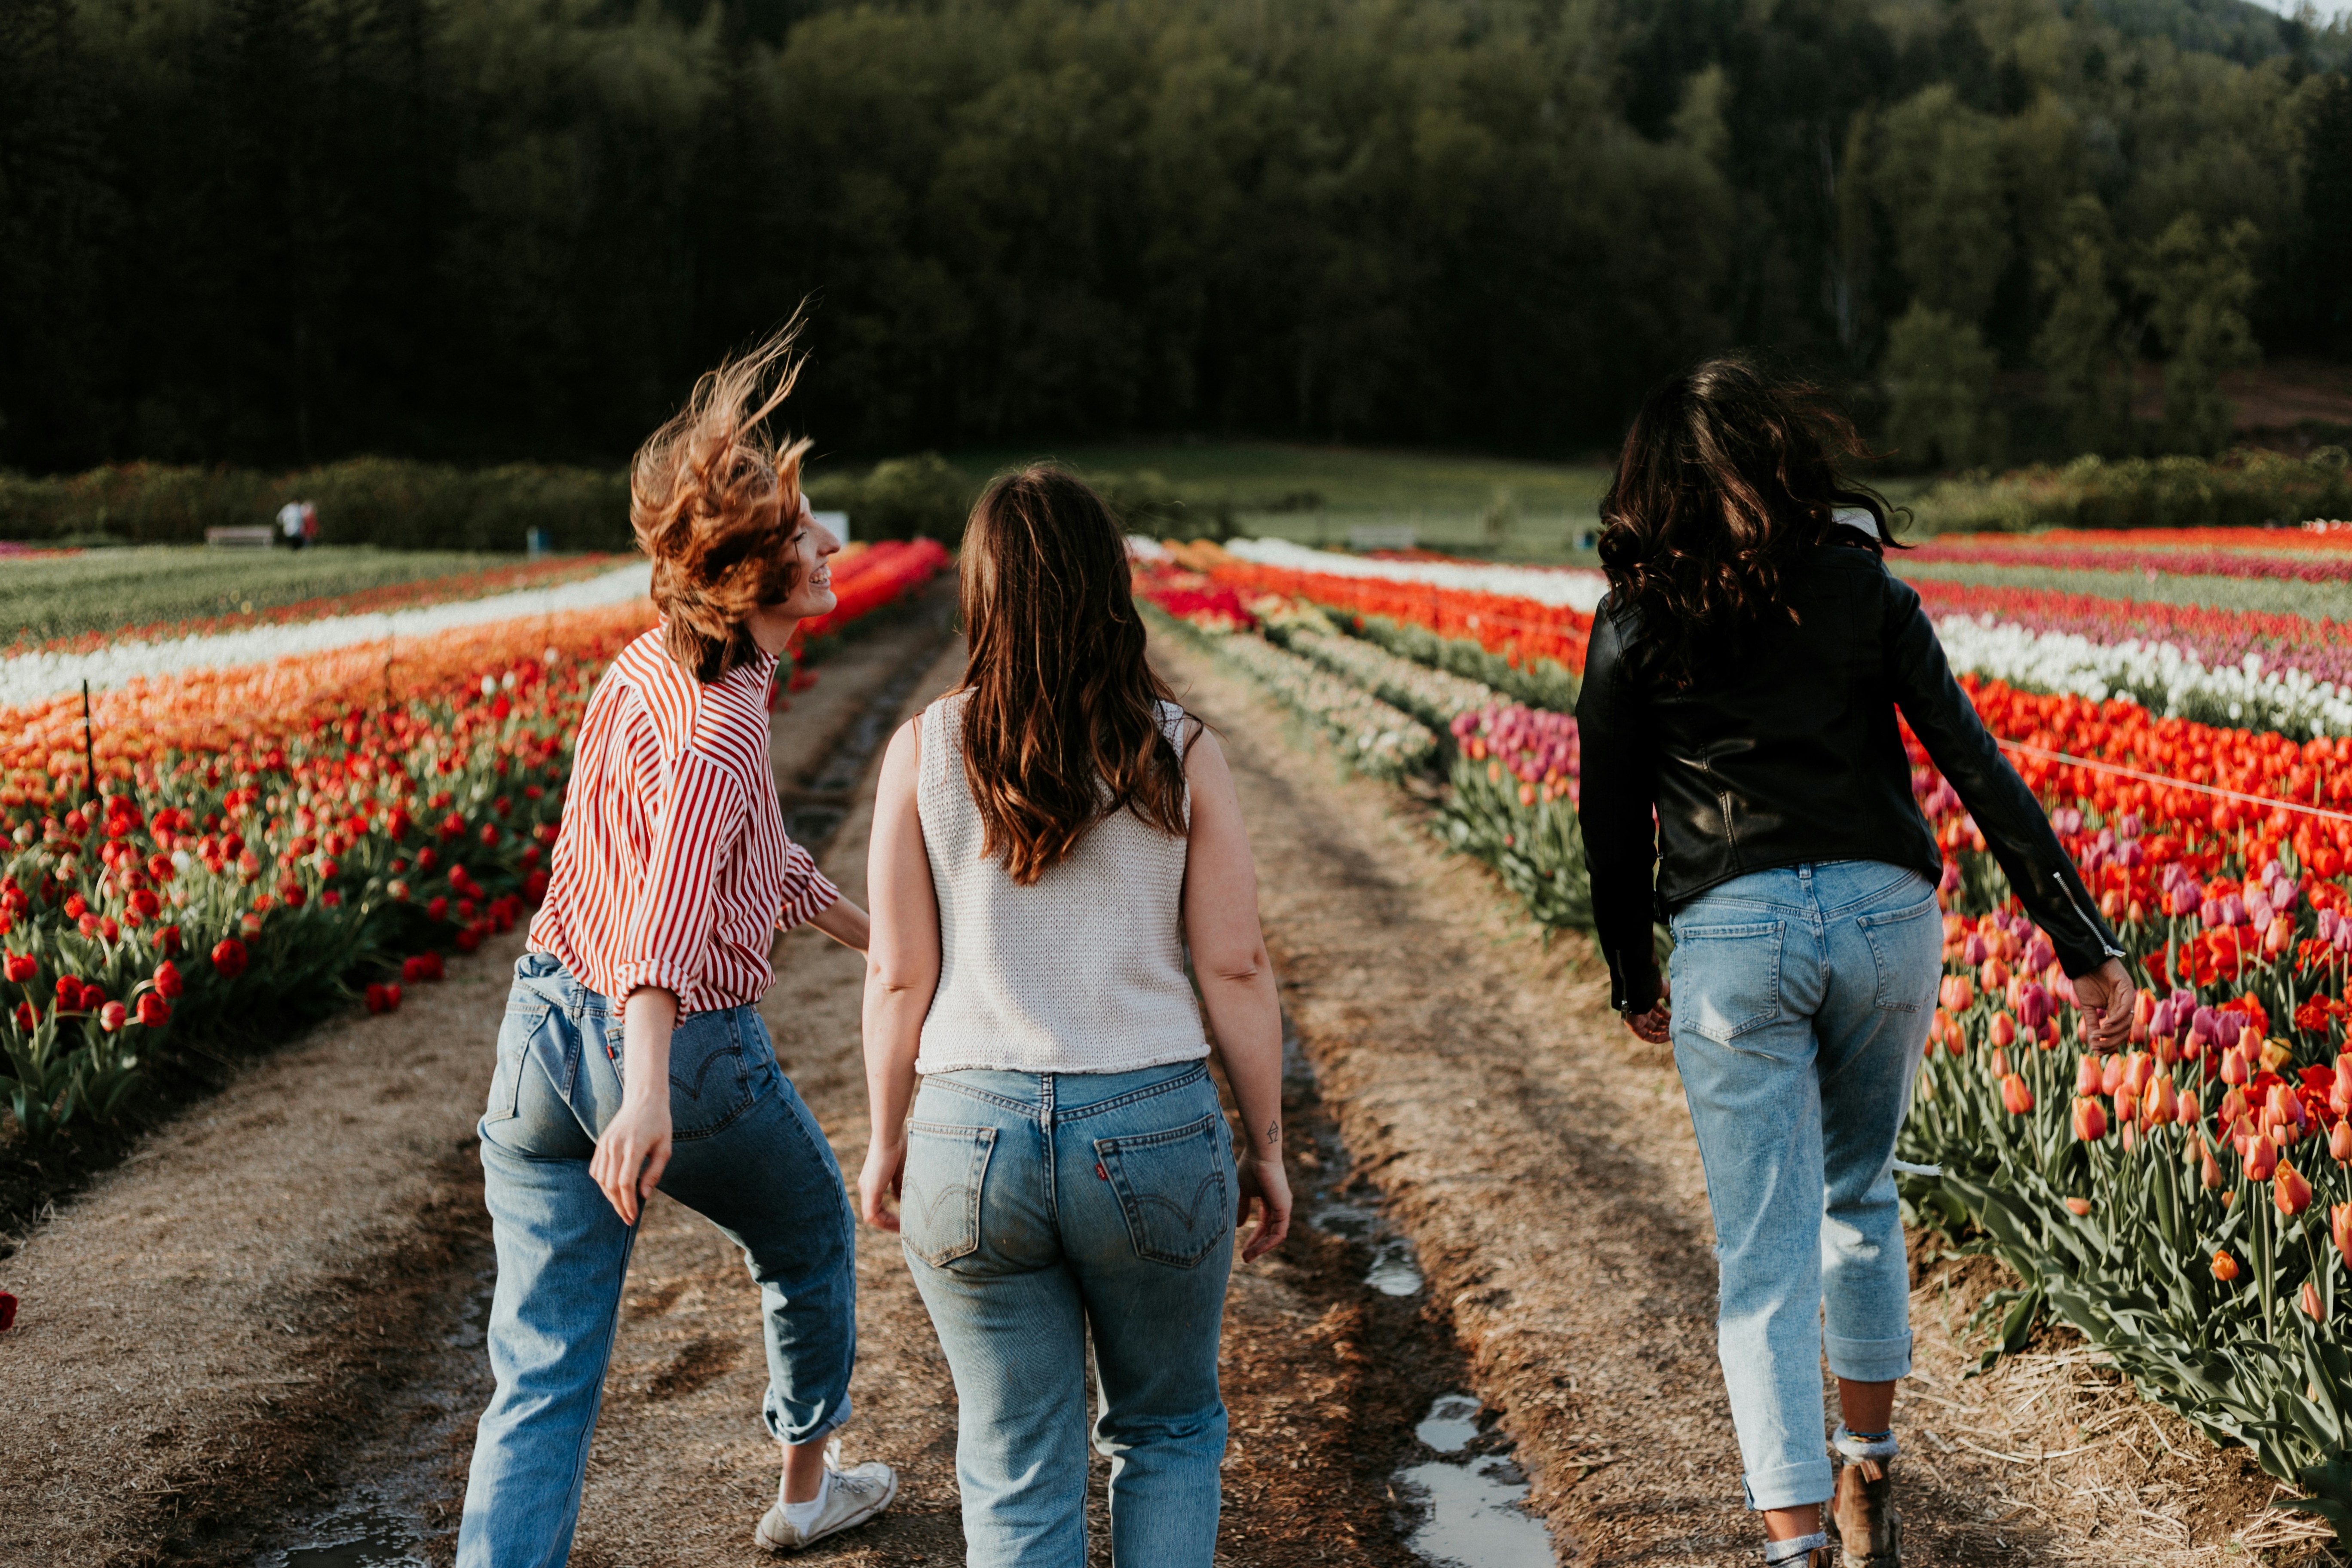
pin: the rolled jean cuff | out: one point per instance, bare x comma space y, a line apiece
1869, 1361
1791, 1486
771, 1414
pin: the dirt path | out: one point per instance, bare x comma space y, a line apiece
1542, 1159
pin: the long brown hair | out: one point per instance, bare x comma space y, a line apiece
1062, 724
1727, 477
713, 499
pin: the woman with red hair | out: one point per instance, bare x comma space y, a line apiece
633, 1055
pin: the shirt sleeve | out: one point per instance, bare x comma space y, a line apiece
807, 893
667, 935
1617, 809
2015, 828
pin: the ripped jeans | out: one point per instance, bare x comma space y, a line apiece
1802, 1000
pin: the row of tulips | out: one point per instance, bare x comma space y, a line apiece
2213, 560
255, 843
1511, 794
455, 587
1494, 608
2319, 538
2187, 1204
2262, 670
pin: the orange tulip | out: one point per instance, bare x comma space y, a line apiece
2290, 1192
2088, 1076
2208, 1171
2339, 1141
2015, 1098
2260, 1156
2078, 1206
2005, 1030
2090, 1120
2225, 1268
2159, 1104
2311, 1305
2339, 1228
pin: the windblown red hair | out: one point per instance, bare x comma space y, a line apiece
712, 499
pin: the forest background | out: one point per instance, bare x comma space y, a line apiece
282, 231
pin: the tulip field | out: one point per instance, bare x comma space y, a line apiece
237, 830
2186, 1204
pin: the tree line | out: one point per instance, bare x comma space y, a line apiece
280, 232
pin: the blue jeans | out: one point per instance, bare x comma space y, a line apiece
747, 1155
1802, 1000
1039, 1207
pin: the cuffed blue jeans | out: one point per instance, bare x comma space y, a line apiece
1802, 1000
1038, 1207
746, 1155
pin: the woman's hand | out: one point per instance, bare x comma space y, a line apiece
1264, 1183
1656, 1025
2105, 996
633, 1151
884, 1172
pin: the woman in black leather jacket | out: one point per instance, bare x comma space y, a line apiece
1743, 681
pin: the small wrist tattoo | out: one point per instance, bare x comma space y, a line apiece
1274, 1131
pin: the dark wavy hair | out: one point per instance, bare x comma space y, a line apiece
1062, 728
1727, 477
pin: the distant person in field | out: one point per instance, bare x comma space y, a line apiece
1743, 683
1051, 840
290, 526
633, 1055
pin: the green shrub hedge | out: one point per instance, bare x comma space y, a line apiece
363, 500
2241, 489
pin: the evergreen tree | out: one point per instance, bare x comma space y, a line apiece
1938, 377
2080, 344
2198, 285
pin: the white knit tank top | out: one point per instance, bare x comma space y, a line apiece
1081, 972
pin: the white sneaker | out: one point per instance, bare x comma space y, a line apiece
851, 1497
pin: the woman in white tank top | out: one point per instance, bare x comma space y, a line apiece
1051, 840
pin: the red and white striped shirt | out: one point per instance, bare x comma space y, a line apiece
672, 867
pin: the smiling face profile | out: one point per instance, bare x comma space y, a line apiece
810, 547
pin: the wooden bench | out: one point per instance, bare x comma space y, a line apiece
259, 537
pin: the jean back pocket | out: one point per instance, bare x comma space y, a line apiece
1907, 948
939, 1195
709, 1072
1727, 978
1173, 1190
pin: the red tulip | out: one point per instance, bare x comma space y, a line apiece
375, 999
27, 1019
168, 982
391, 997
2090, 1120
2290, 1192
22, 967
7, 1311
439, 909
153, 1011
229, 957
2015, 1098
112, 1017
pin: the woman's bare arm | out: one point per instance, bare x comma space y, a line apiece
1236, 977
635, 1146
902, 969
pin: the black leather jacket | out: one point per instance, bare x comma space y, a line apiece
1788, 753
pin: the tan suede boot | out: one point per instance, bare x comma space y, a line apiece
1869, 1526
